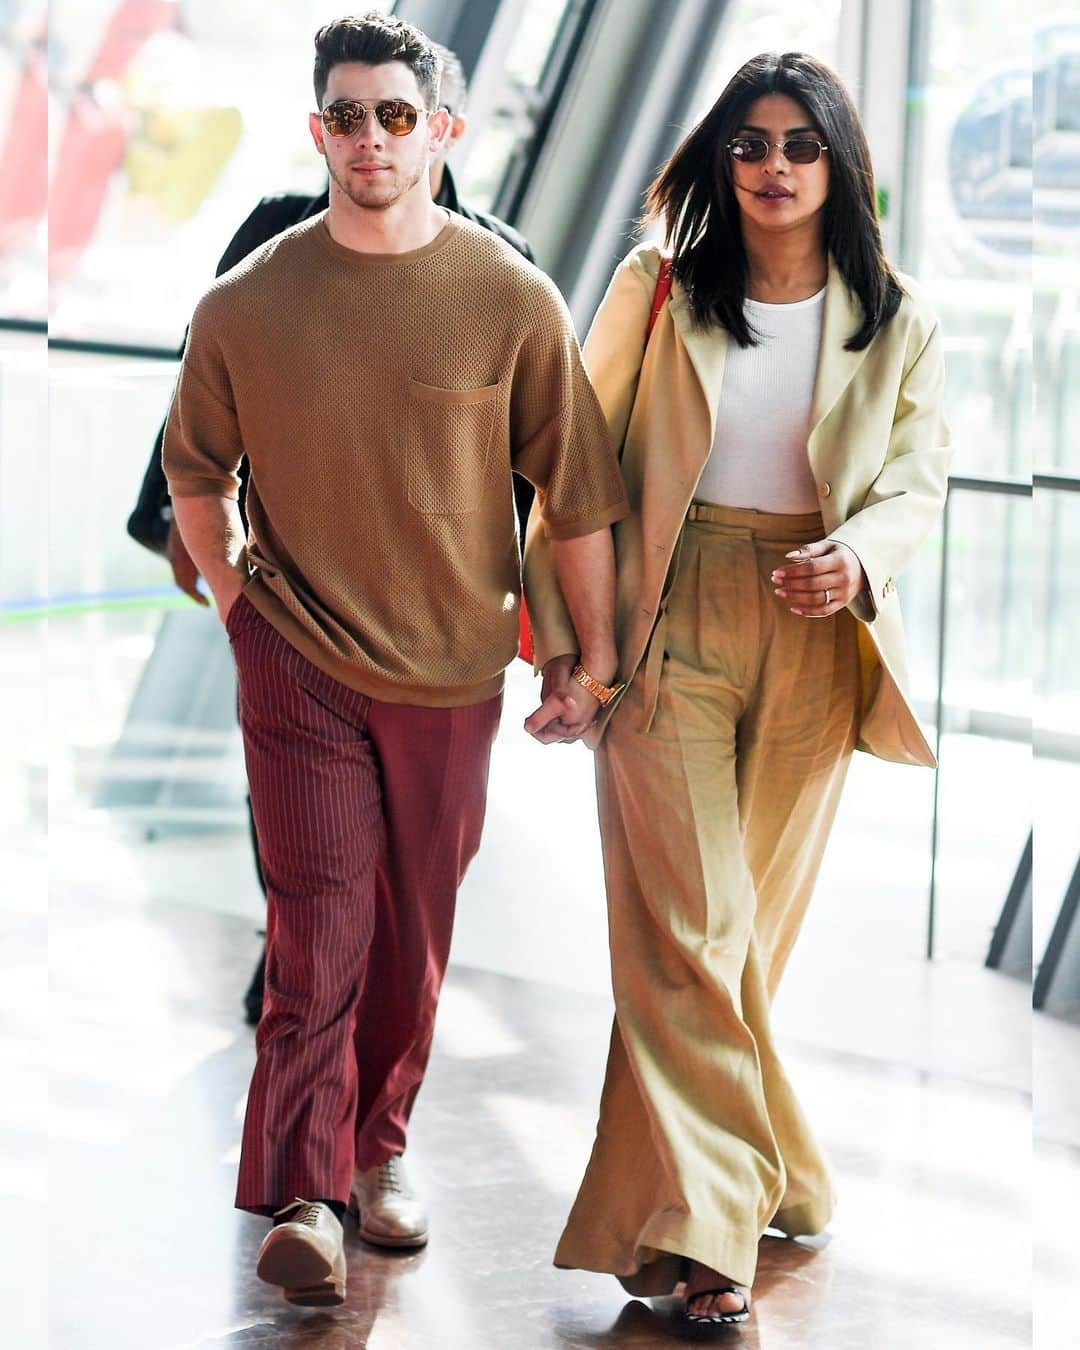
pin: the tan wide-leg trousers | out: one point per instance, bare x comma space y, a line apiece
718, 781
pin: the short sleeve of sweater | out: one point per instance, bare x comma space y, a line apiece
559, 436
202, 450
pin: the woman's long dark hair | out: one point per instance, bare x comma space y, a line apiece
694, 196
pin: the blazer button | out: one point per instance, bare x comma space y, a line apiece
826, 489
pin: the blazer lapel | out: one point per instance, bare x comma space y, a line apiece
707, 348
836, 365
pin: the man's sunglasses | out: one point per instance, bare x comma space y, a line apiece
346, 116
797, 150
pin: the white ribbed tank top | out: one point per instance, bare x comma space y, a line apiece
758, 457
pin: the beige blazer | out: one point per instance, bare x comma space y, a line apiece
878, 450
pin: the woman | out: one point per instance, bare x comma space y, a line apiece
784, 450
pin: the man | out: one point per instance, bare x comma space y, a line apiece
152, 524
383, 368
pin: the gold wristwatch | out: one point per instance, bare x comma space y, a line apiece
603, 693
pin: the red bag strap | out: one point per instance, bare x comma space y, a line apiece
660, 294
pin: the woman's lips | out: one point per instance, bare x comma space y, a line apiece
774, 195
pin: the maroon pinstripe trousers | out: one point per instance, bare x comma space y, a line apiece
367, 815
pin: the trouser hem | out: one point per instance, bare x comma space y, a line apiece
805, 1220
732, 1254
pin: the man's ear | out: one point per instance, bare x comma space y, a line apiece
438, 129
317, 130
458, 124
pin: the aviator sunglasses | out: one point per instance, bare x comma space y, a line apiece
345, 116
797, 150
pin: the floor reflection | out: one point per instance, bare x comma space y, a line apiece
930, 1246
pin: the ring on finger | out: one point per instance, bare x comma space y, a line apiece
828, 596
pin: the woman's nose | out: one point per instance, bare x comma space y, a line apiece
775, 159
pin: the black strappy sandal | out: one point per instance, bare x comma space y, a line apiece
718, 1318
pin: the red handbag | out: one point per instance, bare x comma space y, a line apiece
660, 294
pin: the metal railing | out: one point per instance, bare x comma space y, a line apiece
1058, 964
1013, 912
1005, 487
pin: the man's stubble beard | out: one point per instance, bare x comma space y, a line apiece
377, 197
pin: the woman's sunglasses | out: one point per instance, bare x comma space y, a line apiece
797, 150
346, 116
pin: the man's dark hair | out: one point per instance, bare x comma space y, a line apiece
694, 195
376, 39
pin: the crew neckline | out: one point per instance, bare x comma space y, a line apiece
788, 306
358, 259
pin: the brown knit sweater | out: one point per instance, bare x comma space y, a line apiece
382, 400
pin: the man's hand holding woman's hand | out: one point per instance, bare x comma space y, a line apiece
567, 708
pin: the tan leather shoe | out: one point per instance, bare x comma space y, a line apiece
305, 1255
387, 1208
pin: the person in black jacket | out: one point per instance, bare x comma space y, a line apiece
151, 522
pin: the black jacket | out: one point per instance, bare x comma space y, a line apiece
148, 524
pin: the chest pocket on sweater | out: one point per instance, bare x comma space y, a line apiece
449, 444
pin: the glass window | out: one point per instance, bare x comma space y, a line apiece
497, 157
968, 241
1057, 704
1057, 256
969, 223
169, 121
1057, 666
754, 26
23, 177
537, 28
1057, 377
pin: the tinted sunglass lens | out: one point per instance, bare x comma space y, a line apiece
801, 151
342, 119
749, 151
398, 118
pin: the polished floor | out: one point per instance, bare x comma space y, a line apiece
930, 1247
918, 1076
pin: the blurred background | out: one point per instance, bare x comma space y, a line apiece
138, 134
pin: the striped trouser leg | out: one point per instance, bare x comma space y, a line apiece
317, 799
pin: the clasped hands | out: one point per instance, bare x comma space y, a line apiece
821, 578
567, 709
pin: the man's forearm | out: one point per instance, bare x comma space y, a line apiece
585, 568
213, 534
